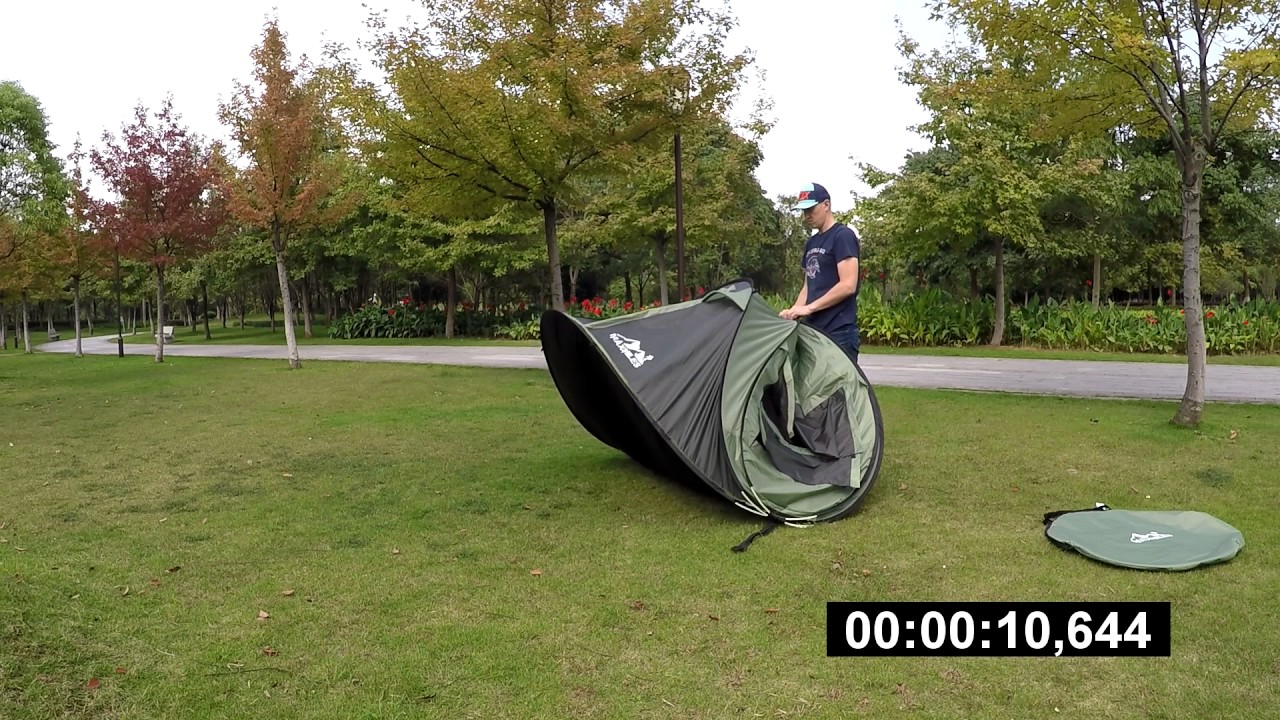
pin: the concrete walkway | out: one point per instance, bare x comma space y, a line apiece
1079, 378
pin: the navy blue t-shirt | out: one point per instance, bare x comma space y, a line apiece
821, 254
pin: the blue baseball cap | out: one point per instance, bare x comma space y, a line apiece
810, 195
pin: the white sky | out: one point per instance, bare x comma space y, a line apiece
831, 68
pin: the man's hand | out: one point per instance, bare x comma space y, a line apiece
795, 312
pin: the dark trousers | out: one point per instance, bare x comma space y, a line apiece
849, 340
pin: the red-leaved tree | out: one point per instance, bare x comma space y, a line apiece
293, 170
165, 207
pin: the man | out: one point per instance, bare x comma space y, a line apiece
829, 295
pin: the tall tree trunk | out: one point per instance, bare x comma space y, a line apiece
1268, 280
1192, 407
451, 303
1247, 294
1097, 280
306, 305
26, 322
660, 254
4, 327
204, 295
626, 277
93, 310
159, 313
997, 332
286, 301
553, 252
75, 300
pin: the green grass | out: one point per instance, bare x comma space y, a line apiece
405, 506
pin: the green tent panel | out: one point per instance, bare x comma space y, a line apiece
1172, 540
723, 394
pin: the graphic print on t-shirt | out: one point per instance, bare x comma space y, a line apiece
811, 266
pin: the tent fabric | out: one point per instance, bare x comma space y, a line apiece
722, 393
1170, 540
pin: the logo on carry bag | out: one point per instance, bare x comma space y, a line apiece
1139, 538
631, 349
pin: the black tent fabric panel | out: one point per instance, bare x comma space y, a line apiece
602, 404
674, 362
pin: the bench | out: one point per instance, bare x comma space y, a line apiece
168, 333
54, 336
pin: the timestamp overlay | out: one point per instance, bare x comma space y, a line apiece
993, 629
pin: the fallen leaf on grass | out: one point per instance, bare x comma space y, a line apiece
287, 474
535, 573
155, 582
20, 549
1234, 434
263, 614
903, 486
771, 611
637, 605
286, 593
270, 651
94, 683
120, 670
866, 572
174, 569
714, 617
395, 551
126, 591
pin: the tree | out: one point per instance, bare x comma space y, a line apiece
293, 173
33, 189
514, 99
163, 209
1195, 70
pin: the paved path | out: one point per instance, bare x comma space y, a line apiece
1082, 378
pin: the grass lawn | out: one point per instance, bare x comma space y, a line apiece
1031, 353
228, 539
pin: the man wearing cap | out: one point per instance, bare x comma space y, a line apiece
829, 295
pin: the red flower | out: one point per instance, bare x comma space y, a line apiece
1246, 322
391, 312
1151, 320
1088, 283
701, 292
627, 306
1169, 293
1209, 315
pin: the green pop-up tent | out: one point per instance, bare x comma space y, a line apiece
722, 393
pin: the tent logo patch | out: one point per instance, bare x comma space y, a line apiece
631, 349
1146, 537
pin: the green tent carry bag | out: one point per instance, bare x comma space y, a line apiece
1171, 540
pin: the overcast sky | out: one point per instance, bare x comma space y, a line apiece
831, 69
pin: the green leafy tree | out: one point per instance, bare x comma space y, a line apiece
514, 99
1188, 69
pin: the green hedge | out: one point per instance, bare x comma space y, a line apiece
928, 319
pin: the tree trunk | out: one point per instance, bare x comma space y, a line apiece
286, 301
997, 331
75, 300
553, 253
1192, 407
4, 327
1247, 295
1268, 280
626, 277
93, 310
306, 305
159, 331
451, 304
26, 323
660, 254
204, 295
1097, 280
